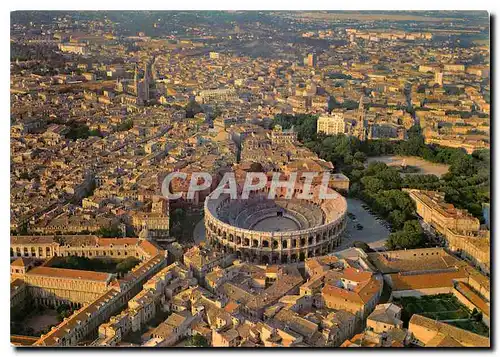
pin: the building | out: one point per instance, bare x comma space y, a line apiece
311, 60
438, 78
459, 228
77, 48
384, 318
217, 95
432, 333
331, 124
384, 328
155, 297
201, 260
97, 295
335, 284
280, 136
433, 209
312, 227
361, 131
354, 291
173, 329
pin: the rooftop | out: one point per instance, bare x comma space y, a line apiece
70, 274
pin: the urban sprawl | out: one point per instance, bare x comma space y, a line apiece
395, 107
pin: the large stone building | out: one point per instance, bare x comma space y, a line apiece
459, 228
217, 95
97, 295
331, 124
259, 229
441, 215
153, 298
201, 260
280, 136
78, 48
54, 286
431, 271
384, 318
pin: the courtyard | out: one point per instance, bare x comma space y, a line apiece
43, 321
104, 265
35, 320
442, 307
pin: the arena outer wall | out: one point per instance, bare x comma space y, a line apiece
278, 247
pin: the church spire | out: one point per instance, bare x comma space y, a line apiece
360, 127
361, 109
146, 80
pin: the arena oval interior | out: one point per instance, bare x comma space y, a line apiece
275, 231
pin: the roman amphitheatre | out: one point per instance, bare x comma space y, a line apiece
275, 231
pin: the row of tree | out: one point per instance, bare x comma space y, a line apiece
96, 264
466, 184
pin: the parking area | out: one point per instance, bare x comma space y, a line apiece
363, 226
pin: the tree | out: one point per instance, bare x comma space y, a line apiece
356, 175
95, 132
177, 220
63, 311
409, 238
197, 341
126, 125
256, 167
375, 167
78, 131
62, 307
178, 215
397, 218
390, 177
109, 232
362, 245
217, 112
126, 265
476, 315
372, 184
360, 156
193, 108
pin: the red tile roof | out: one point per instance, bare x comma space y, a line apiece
70, 274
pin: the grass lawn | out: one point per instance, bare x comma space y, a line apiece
473, 326
442, 307
448, 315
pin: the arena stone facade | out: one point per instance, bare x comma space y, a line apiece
319, 234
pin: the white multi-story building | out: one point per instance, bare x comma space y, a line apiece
331, 124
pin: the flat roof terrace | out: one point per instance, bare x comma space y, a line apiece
412, 260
